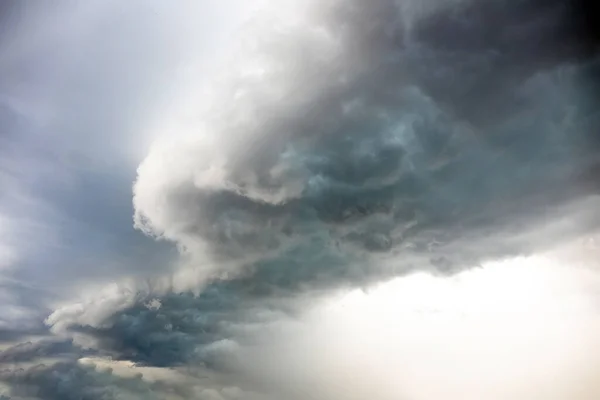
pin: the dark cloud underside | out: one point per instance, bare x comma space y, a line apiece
436, 145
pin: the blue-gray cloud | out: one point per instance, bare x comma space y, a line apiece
348, 146
368, 147
359, 142
70, 381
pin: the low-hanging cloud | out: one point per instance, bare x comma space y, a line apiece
346, 127
349, 145
71, 380
389, 341
344, 140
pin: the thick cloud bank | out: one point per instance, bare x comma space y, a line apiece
368, 192
356, 128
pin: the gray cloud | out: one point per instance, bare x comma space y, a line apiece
374, 341
340, 148
24, 308
328, 136
185, 329
33, 350
349, 143
73, 381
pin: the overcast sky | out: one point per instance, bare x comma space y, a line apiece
325, 200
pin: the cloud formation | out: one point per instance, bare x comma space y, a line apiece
510, 324
68, 381
348, 126
78, 88
367, 191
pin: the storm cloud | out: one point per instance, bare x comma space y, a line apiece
74, 381
364, 191
347, 127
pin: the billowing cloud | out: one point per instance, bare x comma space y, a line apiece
75, 381
368, 196
509, 324
78, 88
347, 128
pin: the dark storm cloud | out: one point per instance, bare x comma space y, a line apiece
28, 351
165, 336
351, 141
185, 328
179, 329
367, 148
356, 130
71, 381
489, 48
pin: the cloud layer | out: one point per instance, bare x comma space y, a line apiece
354, 126
367, 191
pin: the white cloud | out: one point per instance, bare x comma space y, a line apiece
94, 308
128, 369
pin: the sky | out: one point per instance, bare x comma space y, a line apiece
299, 199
